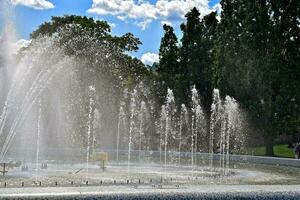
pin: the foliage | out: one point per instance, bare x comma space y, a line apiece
182, 67
252, 54
168, 57
101, 61
252, 62
99, 29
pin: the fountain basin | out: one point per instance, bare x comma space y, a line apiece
248, 177
66, 174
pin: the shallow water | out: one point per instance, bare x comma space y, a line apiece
65, 175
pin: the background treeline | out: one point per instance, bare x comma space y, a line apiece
252, 53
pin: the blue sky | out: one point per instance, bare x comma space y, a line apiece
143, 18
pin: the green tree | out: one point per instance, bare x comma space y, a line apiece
168, 58
189, 52
242, 54
209, 36
253, 37
285, 62
196, 54
226, 46
98, 29
101, 60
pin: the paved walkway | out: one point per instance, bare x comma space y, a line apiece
291, 192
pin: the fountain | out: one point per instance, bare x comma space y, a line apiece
162, 131
142, 113
121, 120
51, 114
38, 137
169, 112
183, 121
215, 119
195, 104
90, 126
132, 127
201, 130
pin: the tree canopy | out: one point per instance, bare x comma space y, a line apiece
251, 54
250, 51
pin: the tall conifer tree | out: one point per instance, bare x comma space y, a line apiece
168, 58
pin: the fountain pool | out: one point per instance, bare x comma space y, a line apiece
59, 109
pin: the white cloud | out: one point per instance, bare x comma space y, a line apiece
144, 12
144, 24
174, 10
36, 4
149, 58
112, 25
123, 8
20, 44
218, 8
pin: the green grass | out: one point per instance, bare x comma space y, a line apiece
280, 150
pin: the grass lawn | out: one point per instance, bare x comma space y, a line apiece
280, 150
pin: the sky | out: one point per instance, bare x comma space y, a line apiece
143, 18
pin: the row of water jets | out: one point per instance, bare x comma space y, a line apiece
223, 127
20, 101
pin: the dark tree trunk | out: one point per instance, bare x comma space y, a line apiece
269, 146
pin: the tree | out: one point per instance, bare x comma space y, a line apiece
285, 61
48, 28
209, 36
242, 53
256, 62
226, 46
196, 53
96, 28
101, 60
168, 58
189, 52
